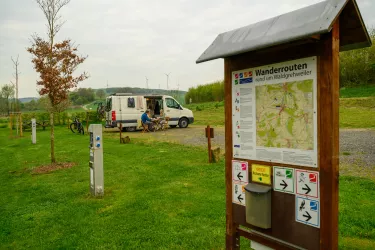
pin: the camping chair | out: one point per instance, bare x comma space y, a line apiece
145, 128
165, 124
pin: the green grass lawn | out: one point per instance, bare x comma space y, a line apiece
363, 91
357, 112
157, 196
93, 105
354, 113
209, 113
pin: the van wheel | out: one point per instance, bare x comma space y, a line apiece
183, 123
172, 126
131, 129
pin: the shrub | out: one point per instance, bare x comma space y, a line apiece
62, 118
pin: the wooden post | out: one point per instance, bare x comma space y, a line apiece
329, 138
232, 238
87, 121
17, 123
120, 131
11, 124
209, 143
21, 133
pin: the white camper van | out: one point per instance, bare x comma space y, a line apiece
126, 108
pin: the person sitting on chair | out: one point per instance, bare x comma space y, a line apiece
162, 116
163, 121
146, 119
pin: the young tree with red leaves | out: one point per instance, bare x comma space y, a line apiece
55, 62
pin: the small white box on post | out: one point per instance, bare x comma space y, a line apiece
96, 160
33, 131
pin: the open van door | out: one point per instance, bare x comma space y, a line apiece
172, 110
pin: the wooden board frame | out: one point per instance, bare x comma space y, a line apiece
327, 51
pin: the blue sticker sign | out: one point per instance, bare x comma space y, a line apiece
308, 211
246, 80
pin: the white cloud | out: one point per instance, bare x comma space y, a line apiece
127, 40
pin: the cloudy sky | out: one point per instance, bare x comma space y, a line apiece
127, 40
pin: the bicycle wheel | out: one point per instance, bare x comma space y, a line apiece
73, 127
81, 129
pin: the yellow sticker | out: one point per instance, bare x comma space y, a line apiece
261, 174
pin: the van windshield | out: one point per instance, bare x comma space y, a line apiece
172, 103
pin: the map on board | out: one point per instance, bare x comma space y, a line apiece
284, 115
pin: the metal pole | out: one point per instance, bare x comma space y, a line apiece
167, 78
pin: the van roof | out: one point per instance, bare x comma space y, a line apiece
145, 95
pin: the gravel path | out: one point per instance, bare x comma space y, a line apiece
357, 146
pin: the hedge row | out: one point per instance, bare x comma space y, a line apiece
62, 118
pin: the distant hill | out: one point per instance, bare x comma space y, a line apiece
28, 99
142, 91
179, 94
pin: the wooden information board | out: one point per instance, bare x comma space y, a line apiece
281, 80
293, 225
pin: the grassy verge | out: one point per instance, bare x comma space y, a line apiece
93, 105
357, 112
357, 208
363, 91
354, 113
209, 113
157, 196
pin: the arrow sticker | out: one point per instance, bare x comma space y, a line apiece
238, 193
307, 183
307, 215
239, 176
307, 189
284, 185
240, 198
307, 211
283, 179
240, 171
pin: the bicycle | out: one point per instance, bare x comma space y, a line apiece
77, 125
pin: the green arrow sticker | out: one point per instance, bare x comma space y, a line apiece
289, 174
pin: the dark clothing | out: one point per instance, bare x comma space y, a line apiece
145, 118
157, 109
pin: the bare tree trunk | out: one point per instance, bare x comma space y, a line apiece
16, 64
8, 108
53, 159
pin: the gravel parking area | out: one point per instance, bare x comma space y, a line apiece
357, 146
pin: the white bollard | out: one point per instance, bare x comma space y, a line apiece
96, 160
33, 131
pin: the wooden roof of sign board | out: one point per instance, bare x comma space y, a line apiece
304, 23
